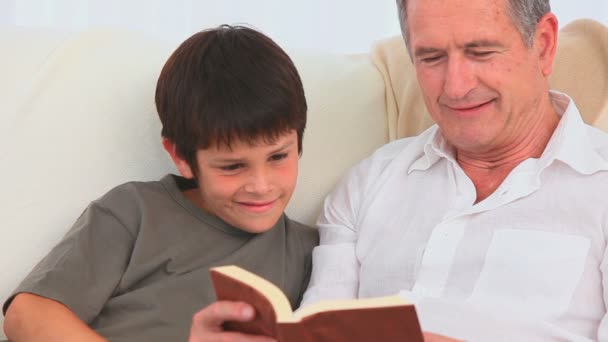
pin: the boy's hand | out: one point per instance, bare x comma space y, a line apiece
207, 323
430, 337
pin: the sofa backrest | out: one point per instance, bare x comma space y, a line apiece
580, 70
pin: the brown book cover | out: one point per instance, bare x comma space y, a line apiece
356, 320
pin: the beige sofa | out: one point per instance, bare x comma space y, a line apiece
79, 119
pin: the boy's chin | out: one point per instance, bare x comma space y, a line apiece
258, 226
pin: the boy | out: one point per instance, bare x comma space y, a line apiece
134, 267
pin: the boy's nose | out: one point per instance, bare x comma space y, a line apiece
258, 182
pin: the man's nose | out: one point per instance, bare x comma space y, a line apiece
460, 78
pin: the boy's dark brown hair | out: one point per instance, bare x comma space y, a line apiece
228, 83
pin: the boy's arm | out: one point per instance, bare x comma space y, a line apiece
34, 318
207, 323
70, 286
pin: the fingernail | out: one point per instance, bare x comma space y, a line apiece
247, 312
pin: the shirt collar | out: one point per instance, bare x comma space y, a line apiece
569, 143
435, 147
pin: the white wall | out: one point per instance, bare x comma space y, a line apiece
335, 25
568, 10
331, 25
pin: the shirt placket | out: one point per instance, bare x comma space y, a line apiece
447, 236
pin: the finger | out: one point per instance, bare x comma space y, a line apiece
238, 337
431, 337
214, 315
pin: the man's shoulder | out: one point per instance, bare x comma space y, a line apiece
405, 151
399, 146
599, 141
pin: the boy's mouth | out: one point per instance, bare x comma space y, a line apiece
258, 207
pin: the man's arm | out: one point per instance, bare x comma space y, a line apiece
34, 318
602, 333
335, 267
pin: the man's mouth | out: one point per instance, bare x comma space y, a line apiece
469, 108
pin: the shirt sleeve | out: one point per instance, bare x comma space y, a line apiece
335, 267
602, 334
84, 269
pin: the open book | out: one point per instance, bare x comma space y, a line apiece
356, 320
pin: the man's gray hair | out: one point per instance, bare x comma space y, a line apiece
525, 14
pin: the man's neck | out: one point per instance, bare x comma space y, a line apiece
487, 170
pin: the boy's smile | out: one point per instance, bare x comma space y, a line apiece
258, 207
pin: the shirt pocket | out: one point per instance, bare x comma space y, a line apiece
530, 269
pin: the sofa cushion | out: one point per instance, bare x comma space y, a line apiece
83, 120
580, 70
346, 122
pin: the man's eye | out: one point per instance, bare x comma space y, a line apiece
231, 167
430, 59
278, 156
481, 54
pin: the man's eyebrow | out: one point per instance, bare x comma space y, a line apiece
483, 43
425, 51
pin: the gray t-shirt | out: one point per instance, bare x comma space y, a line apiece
135, 264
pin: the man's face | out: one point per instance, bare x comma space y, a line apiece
481, 83
248, 186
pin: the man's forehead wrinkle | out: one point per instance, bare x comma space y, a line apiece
443, 22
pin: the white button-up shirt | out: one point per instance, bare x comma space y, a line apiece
527, 263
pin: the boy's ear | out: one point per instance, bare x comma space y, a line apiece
182, 165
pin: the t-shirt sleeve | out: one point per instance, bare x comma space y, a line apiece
84, 269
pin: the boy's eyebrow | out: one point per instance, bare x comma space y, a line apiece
283, 147
240, 160
229, 160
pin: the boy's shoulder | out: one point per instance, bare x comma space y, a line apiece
136, 191
129, 202
307, 234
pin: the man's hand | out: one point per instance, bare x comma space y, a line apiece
430, 337
207, 323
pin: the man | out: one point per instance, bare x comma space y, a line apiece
493, 221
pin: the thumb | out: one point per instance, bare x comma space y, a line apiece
214, 315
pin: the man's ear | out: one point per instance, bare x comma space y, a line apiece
545, 42
182, 165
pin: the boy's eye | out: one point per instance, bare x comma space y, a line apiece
278, 156
231, 167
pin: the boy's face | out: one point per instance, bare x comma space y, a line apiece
247, 186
